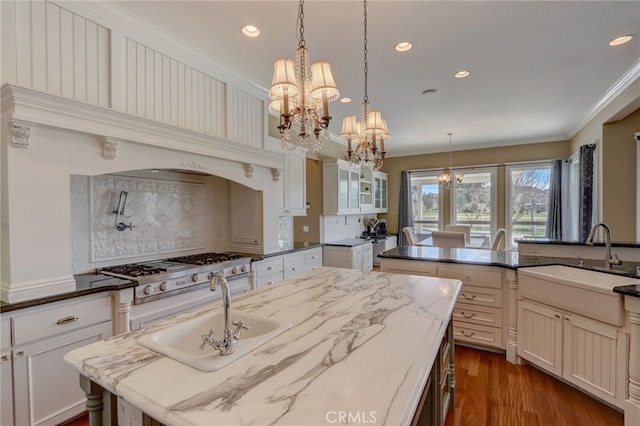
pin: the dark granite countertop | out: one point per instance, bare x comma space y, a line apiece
507, 259
349, 242
297, 246
85, 284
576, 243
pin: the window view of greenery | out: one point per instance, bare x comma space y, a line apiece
425, 196
473, 203
529, 201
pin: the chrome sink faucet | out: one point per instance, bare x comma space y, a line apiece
609, 260
227, 345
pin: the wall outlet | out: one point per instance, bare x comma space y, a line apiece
305, 228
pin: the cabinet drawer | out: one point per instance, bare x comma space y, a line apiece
367, 249
5, 334
472, 276
484, 315
268, 266
270, 279
480, 296
479, 334
313, 256
71, 315
294, 263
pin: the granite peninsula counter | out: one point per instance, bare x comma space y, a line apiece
360, 343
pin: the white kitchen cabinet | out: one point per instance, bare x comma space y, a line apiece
44, 388
341, 187
590, 354
366, 190
380, 192
292, 184
273, 269
6, 373
246, 218
358, 257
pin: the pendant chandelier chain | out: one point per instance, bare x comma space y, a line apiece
366, 63
301, 41
450, 150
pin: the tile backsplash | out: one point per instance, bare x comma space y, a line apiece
165, 215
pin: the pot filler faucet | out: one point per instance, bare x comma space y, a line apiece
609, 260
227, 345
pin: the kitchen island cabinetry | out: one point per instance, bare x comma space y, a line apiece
341, 187
43, 388
357, 255
346, 328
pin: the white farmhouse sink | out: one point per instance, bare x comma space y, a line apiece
182, 341
583, 291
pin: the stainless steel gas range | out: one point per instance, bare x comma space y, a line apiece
170, 277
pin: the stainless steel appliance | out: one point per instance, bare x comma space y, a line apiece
164, 278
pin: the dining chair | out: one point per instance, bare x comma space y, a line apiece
410, 235
460, 228
448, 239
497, 239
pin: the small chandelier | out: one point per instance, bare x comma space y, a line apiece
301, 94
450, 178
367, 133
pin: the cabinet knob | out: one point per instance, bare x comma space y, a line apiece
4, 358
269, 268
557, 316
19, 354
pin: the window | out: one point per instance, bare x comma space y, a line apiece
426, 201
474, 202
527, 201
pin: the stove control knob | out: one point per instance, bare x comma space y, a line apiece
148, 290
210, 276
164, 286
243, 268
234, 270
194, 278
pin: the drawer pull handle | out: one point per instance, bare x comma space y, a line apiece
473, 333
473, 314
269, 268
270, 282
66, 320
464, 296
293, 269
19, 354
4, 358
313, 257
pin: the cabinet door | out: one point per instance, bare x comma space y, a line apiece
246, 215
595, 358
354, 190
377, 204
6, 389
383, 195
294, 202
46, 389
540, 336
343, 189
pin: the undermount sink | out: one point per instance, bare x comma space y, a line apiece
583, 291
181, 342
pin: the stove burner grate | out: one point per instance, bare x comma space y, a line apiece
134, 270
206, 258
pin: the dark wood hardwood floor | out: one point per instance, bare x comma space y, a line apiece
492, 392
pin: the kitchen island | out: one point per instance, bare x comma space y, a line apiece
361, 345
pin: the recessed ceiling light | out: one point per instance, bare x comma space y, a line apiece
345, 100
403, 46
462, 74
250, 31
621, 40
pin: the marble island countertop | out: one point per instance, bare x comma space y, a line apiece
359, 343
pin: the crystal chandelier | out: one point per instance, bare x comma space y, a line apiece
450, 178
367, 133
301, 94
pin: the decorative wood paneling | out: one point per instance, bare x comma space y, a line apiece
161, 88
245, 123
48, 48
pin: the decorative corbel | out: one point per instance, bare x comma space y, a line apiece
21, 131
110, 146
275, 173
248, 170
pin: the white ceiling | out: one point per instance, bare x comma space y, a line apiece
538, 68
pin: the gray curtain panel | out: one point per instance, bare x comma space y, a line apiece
554, 216
586, 190
405, 215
